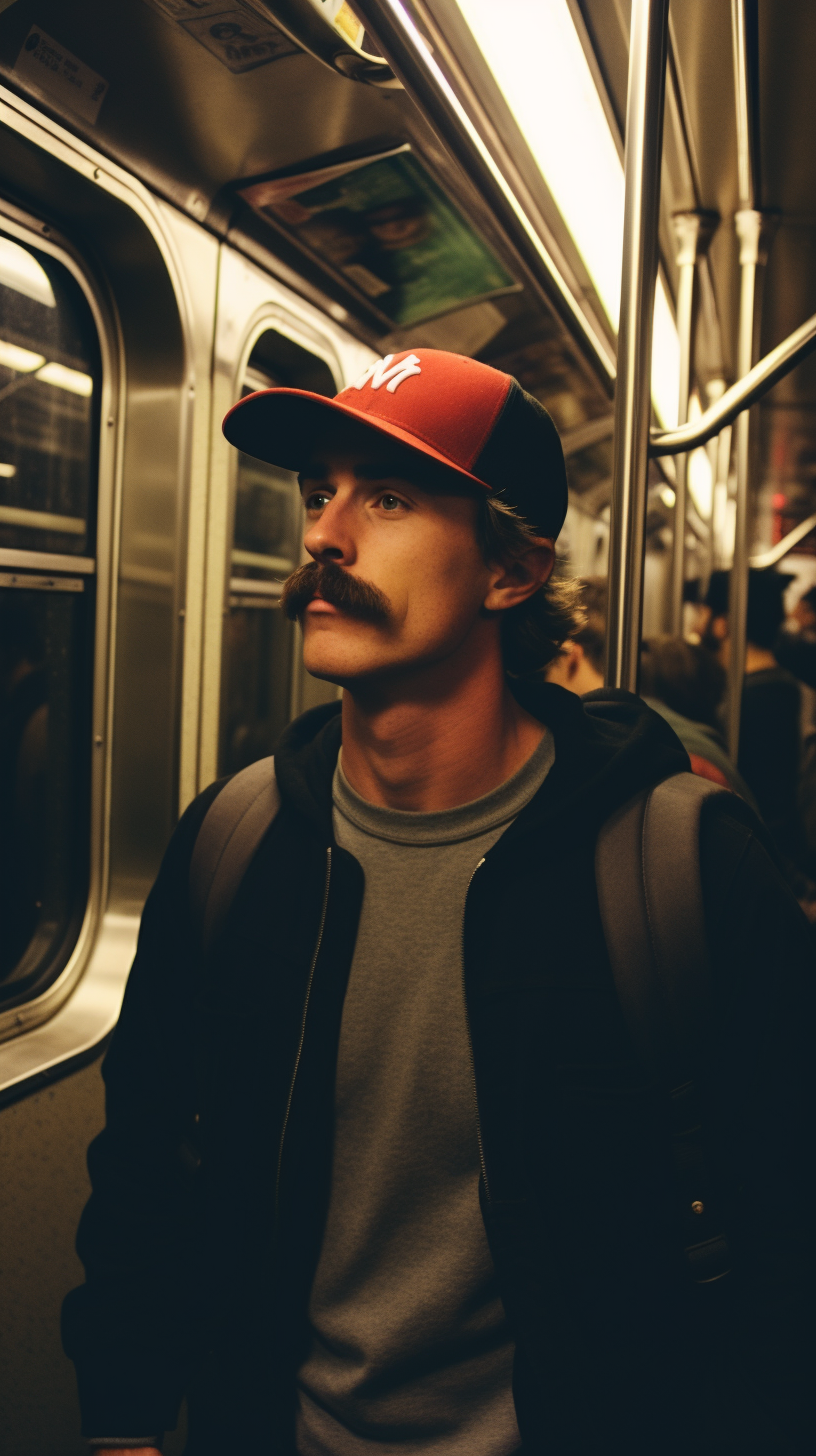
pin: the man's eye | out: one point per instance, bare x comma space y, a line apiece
390, 502
317, 500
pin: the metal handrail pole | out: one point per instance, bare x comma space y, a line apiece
396, 35
764, 375
692, 233
749, 224
686, 267
744, 40
775, 553
648, 37
718, 450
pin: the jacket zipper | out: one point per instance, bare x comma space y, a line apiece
302, 1028
471, 1057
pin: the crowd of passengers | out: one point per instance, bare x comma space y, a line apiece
684, 679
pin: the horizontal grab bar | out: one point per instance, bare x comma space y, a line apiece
775, 553
745, 392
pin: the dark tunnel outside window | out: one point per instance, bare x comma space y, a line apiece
49, 389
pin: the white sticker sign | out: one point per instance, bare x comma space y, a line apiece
237, 35
45, 66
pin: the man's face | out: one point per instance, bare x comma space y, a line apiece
416, 548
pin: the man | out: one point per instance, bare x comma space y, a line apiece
770, 746
679, 680
382, 1171
795, 648
579, 665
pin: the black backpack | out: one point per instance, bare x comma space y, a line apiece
647, 869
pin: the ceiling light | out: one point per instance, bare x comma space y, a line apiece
20, 270
538, 61
21, 360
63, 378
7, 472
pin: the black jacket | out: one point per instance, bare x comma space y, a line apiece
211, 1178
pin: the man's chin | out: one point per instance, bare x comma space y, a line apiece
328, 661
341, 651
340, 670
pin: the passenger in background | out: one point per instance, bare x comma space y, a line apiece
579, 665
681, 682
685, 684
795, 649
795, 645
770, 725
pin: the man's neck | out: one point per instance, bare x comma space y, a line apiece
446, 736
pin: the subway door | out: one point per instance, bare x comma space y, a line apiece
52, 629
253, 679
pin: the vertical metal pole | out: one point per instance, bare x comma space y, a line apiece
644, 138
752, 229
744, 44
753, 232
718, 463
692, 232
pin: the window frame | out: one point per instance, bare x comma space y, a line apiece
31, 231
269, 319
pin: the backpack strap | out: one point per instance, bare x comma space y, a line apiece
231, 831
650, 894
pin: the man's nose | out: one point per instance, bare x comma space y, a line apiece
330, 538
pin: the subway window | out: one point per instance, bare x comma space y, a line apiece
260, 651
49, 389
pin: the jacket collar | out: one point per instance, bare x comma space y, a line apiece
608, 747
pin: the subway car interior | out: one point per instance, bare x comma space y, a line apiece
614, 201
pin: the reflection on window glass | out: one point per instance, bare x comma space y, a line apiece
49, 388
267, 521
259, 644
258, 653
49, 372
44, 733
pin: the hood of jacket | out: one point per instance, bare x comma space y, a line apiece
609, 746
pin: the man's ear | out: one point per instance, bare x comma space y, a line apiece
516, 579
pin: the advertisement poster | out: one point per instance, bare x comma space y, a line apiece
386, 226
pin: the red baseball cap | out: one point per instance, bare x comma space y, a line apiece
466, 416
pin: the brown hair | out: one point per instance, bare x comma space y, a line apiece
533, 632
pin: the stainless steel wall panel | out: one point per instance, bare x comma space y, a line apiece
249, 303
197, 260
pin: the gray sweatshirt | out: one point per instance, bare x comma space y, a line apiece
411, 1352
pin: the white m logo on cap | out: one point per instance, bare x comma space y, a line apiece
392, 377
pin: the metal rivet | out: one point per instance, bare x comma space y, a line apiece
97, 172
110, 419
46, 229
98, 740
697, 1206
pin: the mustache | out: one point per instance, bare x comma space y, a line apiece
338, 587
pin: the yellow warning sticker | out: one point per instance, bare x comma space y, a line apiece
347, 23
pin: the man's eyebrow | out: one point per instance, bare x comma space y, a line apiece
316, 471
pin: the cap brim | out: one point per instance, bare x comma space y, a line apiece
282, 426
